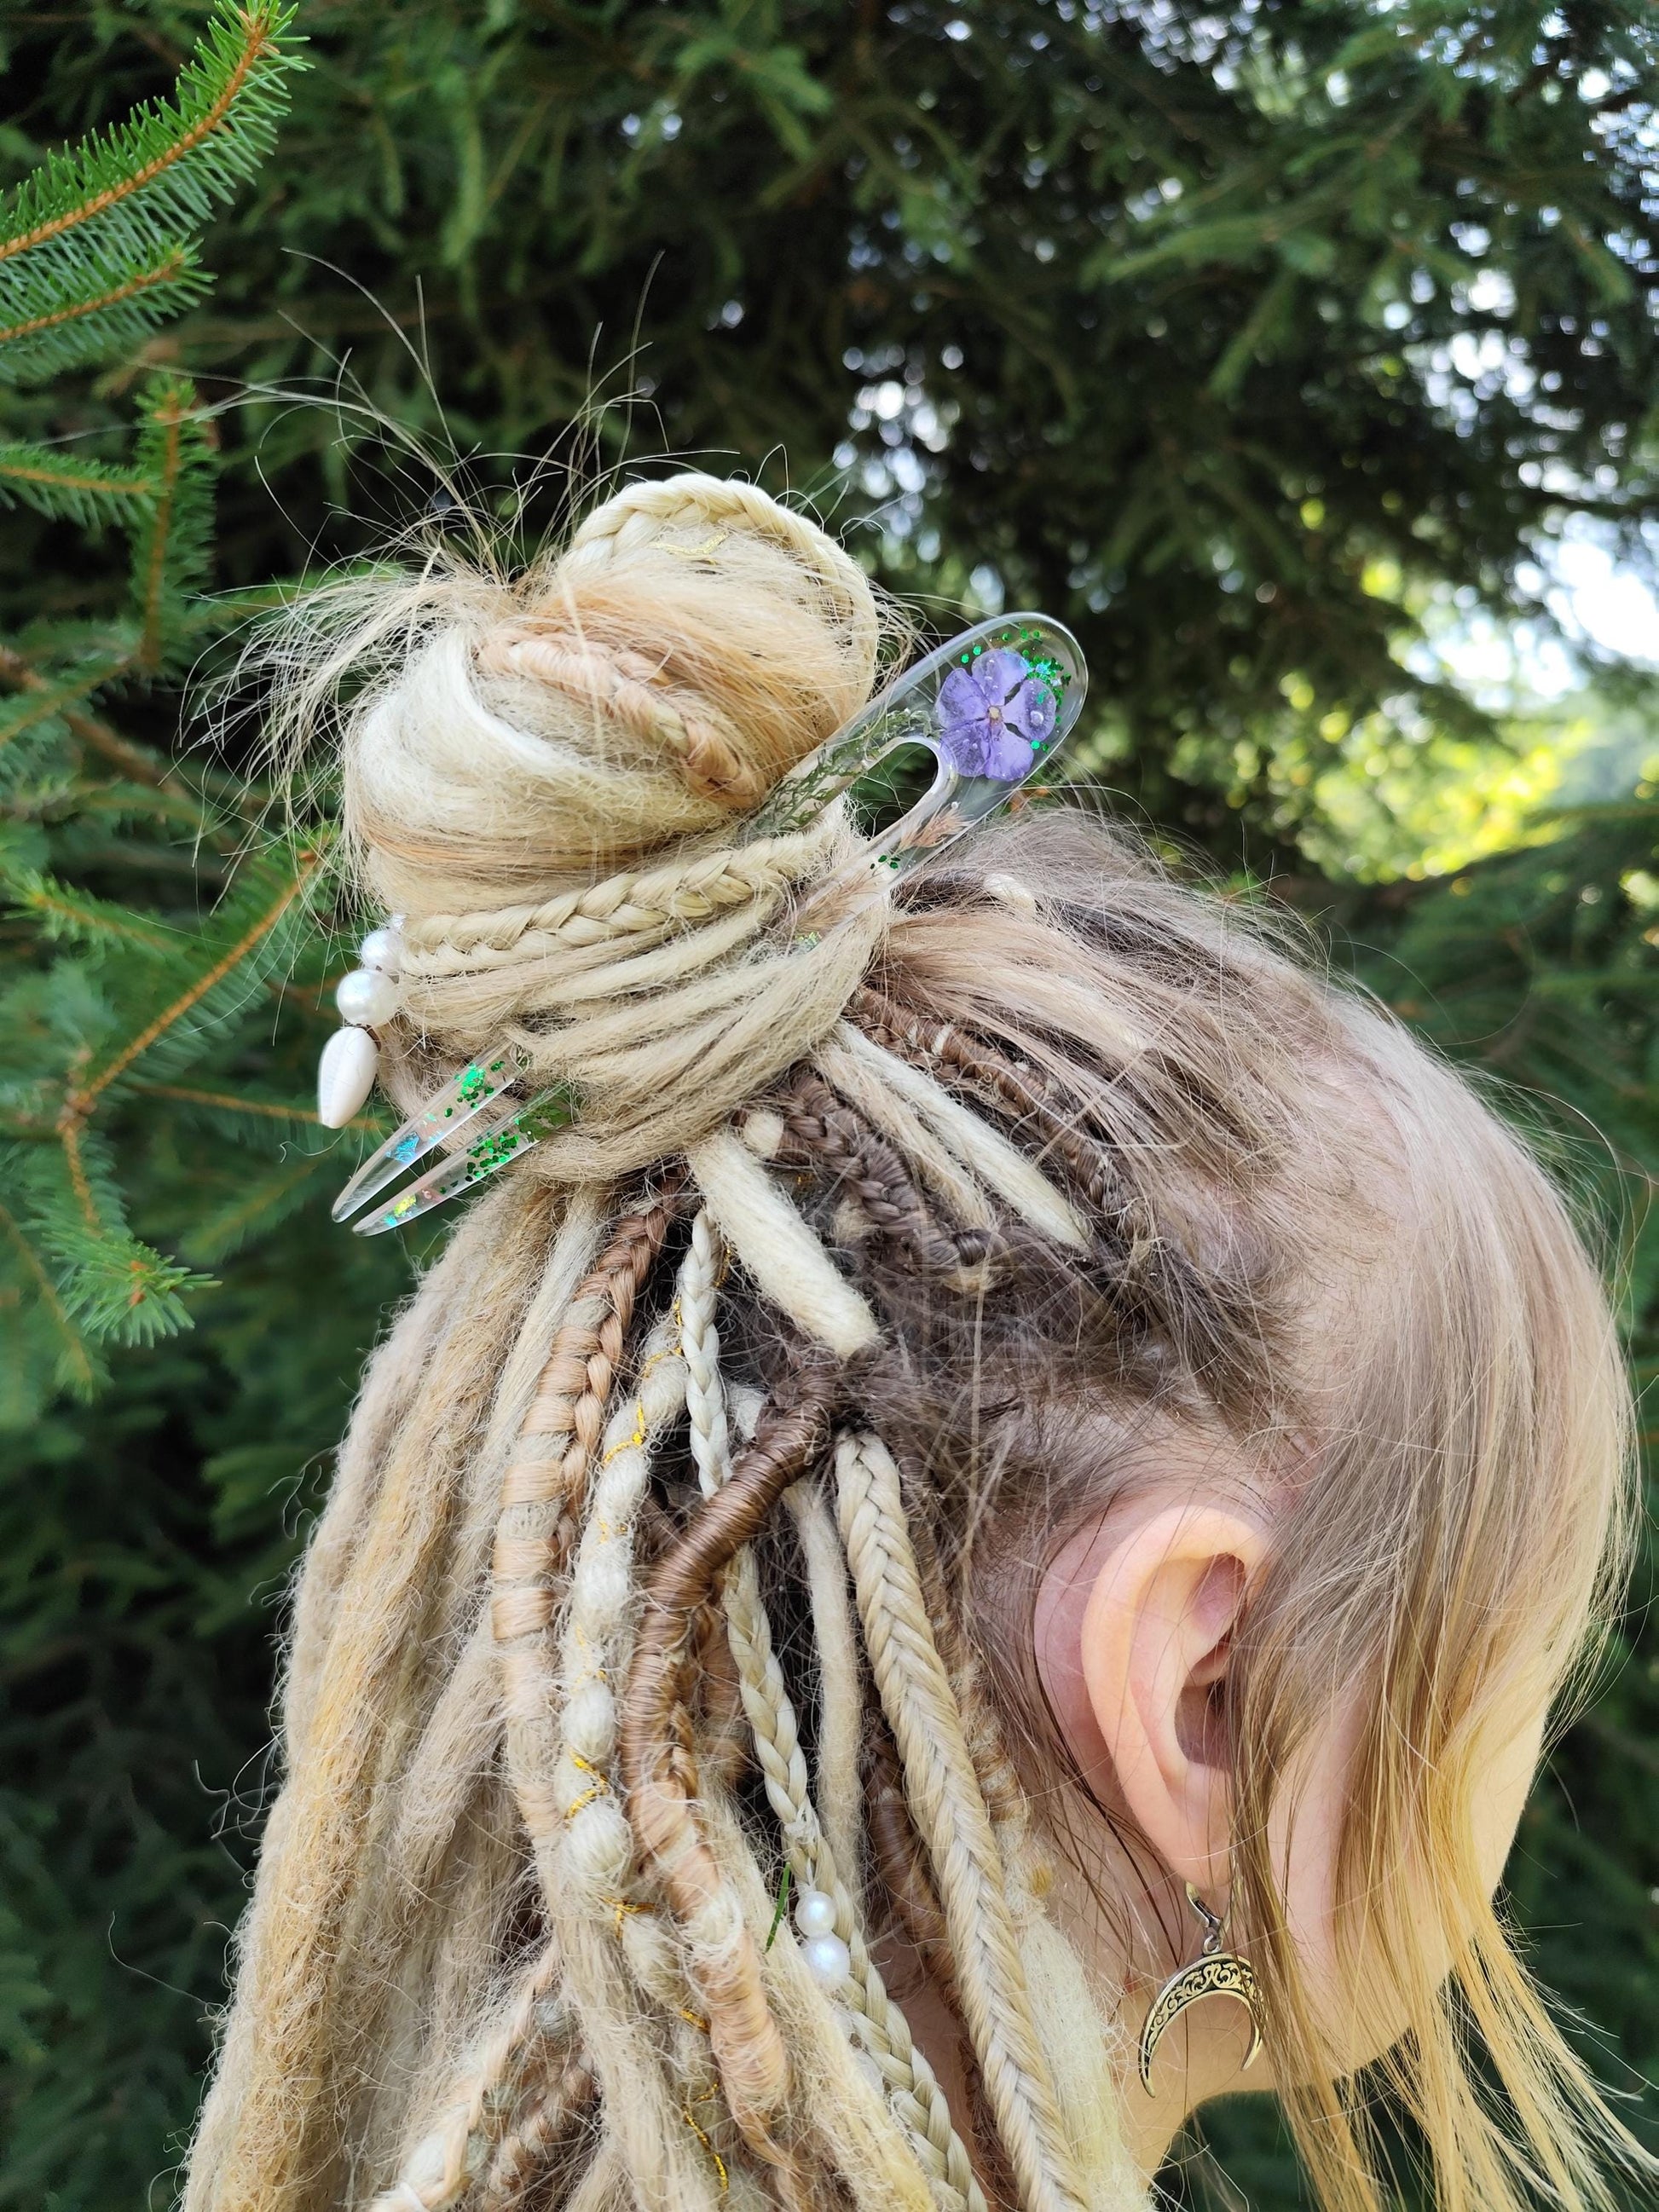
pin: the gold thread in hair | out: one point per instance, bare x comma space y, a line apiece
600, 1786
685, 2114
629, 1443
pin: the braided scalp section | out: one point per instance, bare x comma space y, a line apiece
820, 1131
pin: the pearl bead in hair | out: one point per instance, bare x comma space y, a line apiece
366, 998
815, 1912
828, 1961
381, 948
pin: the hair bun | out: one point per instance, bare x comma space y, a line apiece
656, 678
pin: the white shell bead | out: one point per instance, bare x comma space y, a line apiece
381, 948
815, 1912
345, 1076
365, 997
828, 1961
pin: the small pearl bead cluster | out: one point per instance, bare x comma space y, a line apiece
828, 1959
366, 998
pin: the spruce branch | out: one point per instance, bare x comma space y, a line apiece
46, 699
134, 761
87, 492
68, 915
76, 1370
84, 1094
258, 1202
172, 543
299, 1117
96, 248
52, 334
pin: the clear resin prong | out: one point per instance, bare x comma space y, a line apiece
492, 1148
478, 1085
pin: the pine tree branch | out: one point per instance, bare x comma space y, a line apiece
227, 1102
73, 1342
170, 417
261, 26
173, 265
35, 465
81, 1100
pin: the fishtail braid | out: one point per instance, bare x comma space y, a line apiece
951, 1817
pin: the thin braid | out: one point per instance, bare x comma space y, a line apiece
840, 1674
605, 1930
543, 1495
523, 2156
440, 2166
951, 1814
975, 1139
1026, 1876
619, 686
654, 2060
660, 1772
904, 1129
444, 2164
640, 510
819, 1129
593, 1644
1024, 1091
1174, 1295
542, 1487
636, 904
599, 1866
912, 2090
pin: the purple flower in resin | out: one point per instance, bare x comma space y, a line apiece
993, 714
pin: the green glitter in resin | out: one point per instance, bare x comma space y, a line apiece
492, 1151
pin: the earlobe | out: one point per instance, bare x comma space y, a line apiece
1155, 1638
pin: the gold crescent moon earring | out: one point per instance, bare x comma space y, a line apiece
1213, 1974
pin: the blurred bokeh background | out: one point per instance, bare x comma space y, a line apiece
1301, 354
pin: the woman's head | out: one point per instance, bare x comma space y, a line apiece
1005, 1403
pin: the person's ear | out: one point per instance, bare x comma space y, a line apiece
1155, 1640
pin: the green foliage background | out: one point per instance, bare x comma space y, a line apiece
1262, 342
